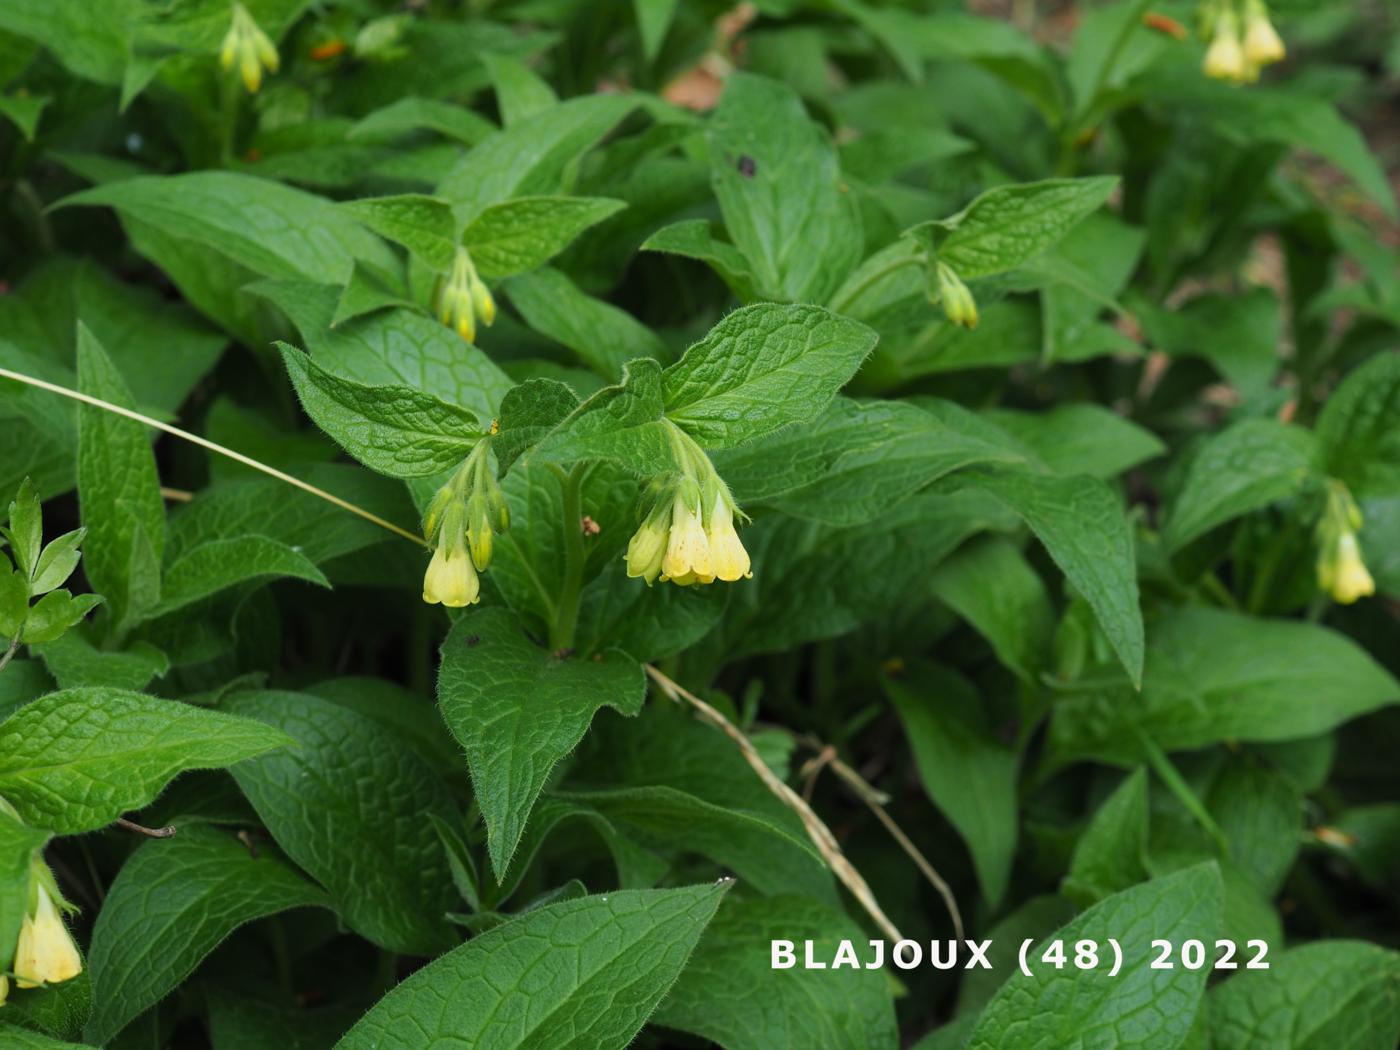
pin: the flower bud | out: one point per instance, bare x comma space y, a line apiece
958, 303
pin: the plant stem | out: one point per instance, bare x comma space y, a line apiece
839, 306
561, 633
9, 653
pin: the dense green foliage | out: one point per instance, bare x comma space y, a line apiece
520, 504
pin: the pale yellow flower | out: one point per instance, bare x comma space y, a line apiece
249, 48
1262, 44
1345, 575
1225, 58
728, 558
45, 952
647, 548
687, 557
451, 578
958, 303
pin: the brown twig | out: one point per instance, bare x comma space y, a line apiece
819, 833
876, 800
152, 833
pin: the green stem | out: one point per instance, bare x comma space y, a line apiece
1168, 774
1069, 135
840, 305
561, 632
9, 653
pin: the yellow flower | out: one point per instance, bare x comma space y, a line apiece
482, 301
958, 303
1344, 575
45, 953
1262, 44
1225, 58
451, 578
727, 555
1341, 571
248, 47
687, 558
4, 989
647, 547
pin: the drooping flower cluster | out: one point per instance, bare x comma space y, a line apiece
462, 297
687, 532
249, 48
45, 952
1242, 41
460, 523
1341, 572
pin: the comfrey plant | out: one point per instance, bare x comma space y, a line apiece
842, 525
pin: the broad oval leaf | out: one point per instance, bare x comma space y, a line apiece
549, 978
351, 804
173, 902
1059, 1007
76, 760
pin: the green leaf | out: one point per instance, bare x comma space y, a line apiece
621, 423
91, 42
54, 613
604, 336
173, 902
838, 1009
405, 115
76, 760
1248, 466
779, 186
1139, 1007
396, 430
855, 461
517, 709
762, 368
209, 568
767, 857
1081, 439
653, 20
423, 225
57, 562
524, 233
16, 1038
18, 845
692, 239
1111, 853
351, 805
990, 584
1358, 433
395, 347
520, 93
118, 490
1009, 225
26, 531
529, 413
968, 773
1327, 994
74, 661
531, 157
271, 229
1214, 675
548, 979
1082, 525
14, 601
23, 111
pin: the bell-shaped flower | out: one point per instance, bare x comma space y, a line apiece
45, 952
1262, 44
687, 558
451, 579
1225, 58
728, 559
